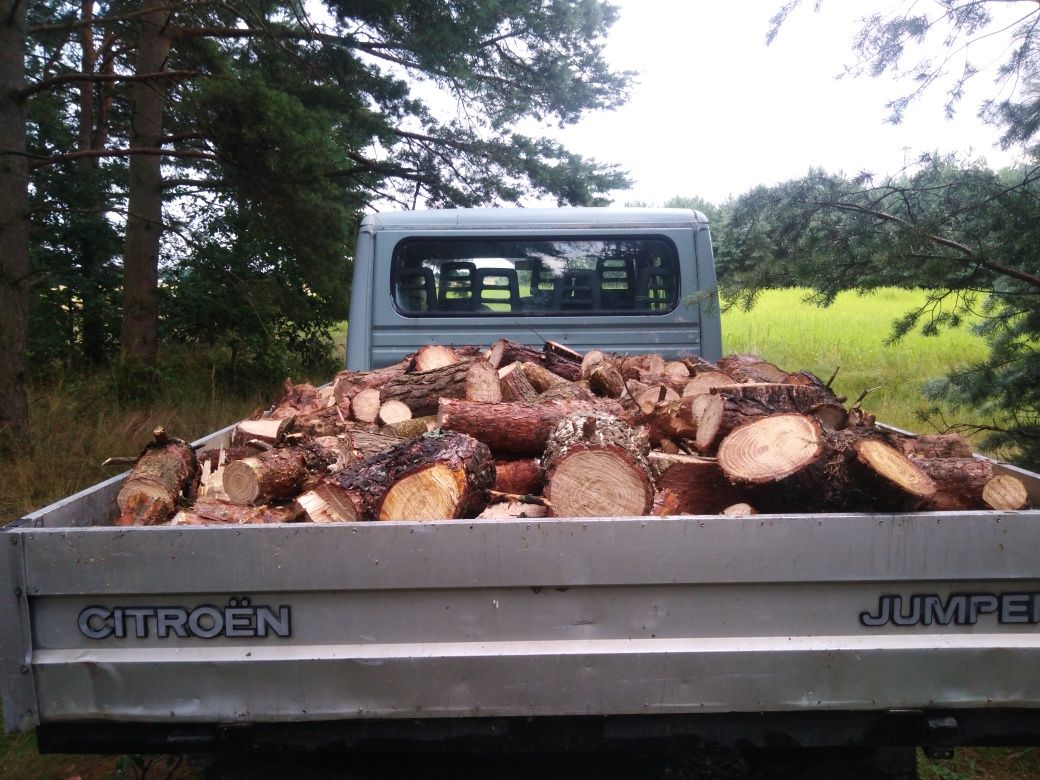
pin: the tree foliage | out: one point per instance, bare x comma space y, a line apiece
968, 235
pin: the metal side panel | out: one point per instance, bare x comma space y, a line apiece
565, 617
17, 673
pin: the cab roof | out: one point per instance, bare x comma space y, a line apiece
564, 218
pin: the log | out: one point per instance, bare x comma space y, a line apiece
596, 466
650, 397
298, 399
513, 510
432, 356
269, 476
406, 429
673, 420
568, 391
211, 511
541, 378
888, 479
698, 483
562, 351
946, 445
473, 380
165, 471
593, 360
606, 380
330, 421
365, 405
739, 510
426, 478
698, 365
514, 428
1006, 493
751, 368
267, 430
515, 385
677, 369
391, 412
959, 481
782, 461
366, 443
730, 406
520, 476
705, 381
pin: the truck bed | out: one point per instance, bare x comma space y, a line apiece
419, 627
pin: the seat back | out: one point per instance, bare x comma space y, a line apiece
578, 288
456, 290
415, 289
490, 283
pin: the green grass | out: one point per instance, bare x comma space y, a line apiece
850, 336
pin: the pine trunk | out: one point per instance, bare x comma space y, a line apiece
144, 222
14, 233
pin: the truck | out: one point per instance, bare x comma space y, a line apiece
799, 643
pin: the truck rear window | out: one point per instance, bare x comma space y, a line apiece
534, 277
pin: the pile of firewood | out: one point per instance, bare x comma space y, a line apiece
514, 431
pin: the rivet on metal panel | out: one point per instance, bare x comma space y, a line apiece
24, 669
14, 539
18, 591
36, 589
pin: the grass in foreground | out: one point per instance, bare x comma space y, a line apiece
850, 336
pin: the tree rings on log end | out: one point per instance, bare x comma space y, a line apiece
432, 493
895, 469
598, 482
1005, 492
772, 448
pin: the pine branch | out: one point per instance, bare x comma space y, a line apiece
70, 78
127, 17
42, 162
969, 254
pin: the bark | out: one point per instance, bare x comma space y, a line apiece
960, 481
515, 385
568, 391
299, 399
947, 445
751, 368
541, 378
269, 476
698, 484
523, 476
14, 233
473, 380
595, 466
267, 430
606, 380
514, 428
210, 511
144, 196
166, 470
732, 405
426, 478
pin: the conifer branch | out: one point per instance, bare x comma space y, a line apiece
72, 78
42, 162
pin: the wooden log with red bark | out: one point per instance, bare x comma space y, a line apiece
473, 380
568, 391
730, 406
298, 400
946, 445
365, 404
280, 474
596, 466
540, 378
959, 481
432, 356
435, 477
515, 428
606, 380
1005, 492
751, 368
519, 476
266, 430
165, 472
698, 484
515, 385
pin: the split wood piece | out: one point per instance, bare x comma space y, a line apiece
473, 380
425, 478
698, 483
677, 369
367, 443
568, 391
298, 399
563, 351
960, 481
666, 503
365, 405
212, 511
595, 466
515, 385
269, 476
266, 429
432, 356
739, 510
513, 510
592, 360
946, 445
606, 380
888, 479
832, 415
391, 412
541, 378
1005, 492
496, 353
703, 382
632, 365
678, 384
521, 476
649, 398
733, 405
166, 470
782, 461
698, 365
515, 428
330, 421
406, 429
751, 368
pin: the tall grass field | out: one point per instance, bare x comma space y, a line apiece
77, 423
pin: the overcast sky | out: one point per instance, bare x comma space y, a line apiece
717, 111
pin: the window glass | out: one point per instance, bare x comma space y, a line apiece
478, 277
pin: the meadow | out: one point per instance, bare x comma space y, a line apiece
77, 423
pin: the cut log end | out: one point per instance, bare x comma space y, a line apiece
598, 483
895, 469
1005, 492
432, 493
772, 448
